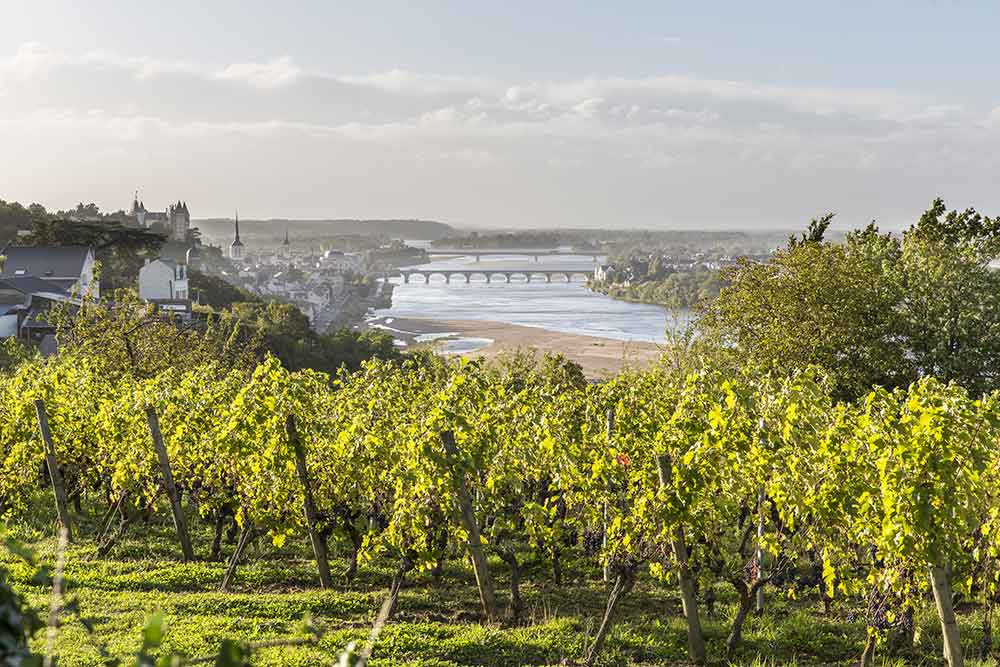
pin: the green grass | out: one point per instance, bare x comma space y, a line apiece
435, 626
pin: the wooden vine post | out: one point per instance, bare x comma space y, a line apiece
58, 487
760, 562
606, 574
246, 535
312, 516
479, 562
168, 481
689, 601
941, 585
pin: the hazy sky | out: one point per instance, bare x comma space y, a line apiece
635, 114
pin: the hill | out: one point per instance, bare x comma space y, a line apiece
401, 229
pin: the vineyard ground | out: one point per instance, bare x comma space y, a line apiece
435, 625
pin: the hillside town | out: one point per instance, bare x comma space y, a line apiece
331, 287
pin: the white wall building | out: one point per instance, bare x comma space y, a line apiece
341, 261
163, 280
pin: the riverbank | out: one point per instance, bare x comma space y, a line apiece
599, 357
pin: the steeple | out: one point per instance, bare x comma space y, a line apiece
237, 241
236, 247
286, 237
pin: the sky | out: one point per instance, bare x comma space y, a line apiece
637, 114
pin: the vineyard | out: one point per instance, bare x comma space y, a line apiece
695, 506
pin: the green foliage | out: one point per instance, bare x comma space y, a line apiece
18, 621
15, 217
129, 337
215, 292
873, 310
287, 334
735, 461
673, 289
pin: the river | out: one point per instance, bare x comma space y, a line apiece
556, 306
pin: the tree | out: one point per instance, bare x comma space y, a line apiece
288, 335
950, 297
121, 250
213, 291
876, 309
815, 302
14, 217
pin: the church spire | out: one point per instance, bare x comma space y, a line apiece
286, 236
236, 247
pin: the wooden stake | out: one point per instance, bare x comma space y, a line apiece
54, 473
312, 516
759, 553
479, 562
606, 574
245, 534
168, 481
689, 601
941, 586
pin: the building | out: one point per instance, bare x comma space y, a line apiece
286, 247
337, 260
176, 219
163, 280
236, 247
193, 257
24, 305
67, 269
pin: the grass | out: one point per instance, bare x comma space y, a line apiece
435, 625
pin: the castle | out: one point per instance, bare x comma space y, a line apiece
176, 219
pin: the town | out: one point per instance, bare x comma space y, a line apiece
331, 287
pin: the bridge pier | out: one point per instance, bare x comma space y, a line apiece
447, 278
548, 277
468, 277
406, 278
487, 278
536, 259
478, 257
507, 277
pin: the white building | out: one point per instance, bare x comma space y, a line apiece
163, 280
341, 261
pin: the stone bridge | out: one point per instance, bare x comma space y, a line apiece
525, 252
490, 275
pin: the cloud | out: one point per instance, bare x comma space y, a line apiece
32, 59
594, 134
993, 120
279, 72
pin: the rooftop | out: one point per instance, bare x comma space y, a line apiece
44, 261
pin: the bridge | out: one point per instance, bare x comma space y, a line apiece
490, 274
534, 253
